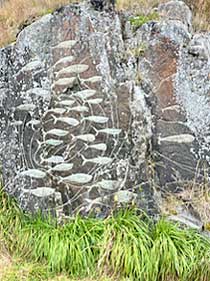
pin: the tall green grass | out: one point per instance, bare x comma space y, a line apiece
127, 244
171, 252
72, 247
11, 220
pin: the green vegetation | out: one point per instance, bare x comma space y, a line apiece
26, 271
71, 248
127, 245
139, 20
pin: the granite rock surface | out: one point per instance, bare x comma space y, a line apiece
95, 113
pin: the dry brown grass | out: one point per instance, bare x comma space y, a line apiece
201, 11
14, 270
138, 6
5, 259
15, 12
195, 196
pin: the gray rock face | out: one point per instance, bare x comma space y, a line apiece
87, 124
176, 10
71, 115
175, 70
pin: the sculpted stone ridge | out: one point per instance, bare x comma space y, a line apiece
87, 122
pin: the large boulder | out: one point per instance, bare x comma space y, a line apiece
175, 74
71, 115
95, 113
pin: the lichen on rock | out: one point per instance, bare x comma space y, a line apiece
88, 124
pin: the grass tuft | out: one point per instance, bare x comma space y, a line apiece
71, 248
11, 220
127, 245
170, 252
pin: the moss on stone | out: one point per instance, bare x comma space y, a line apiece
139, 20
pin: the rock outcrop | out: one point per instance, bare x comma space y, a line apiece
94, 113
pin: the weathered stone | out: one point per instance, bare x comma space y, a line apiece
174, 141
71, 115
176, 10
88, 123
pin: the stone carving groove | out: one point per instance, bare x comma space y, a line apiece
71, 120
80, 132
87, 122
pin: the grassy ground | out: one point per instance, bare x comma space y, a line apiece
14, 13
127, 246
